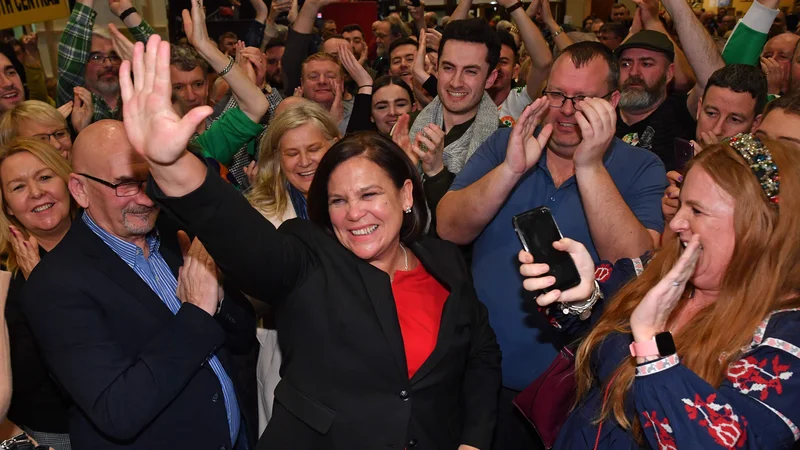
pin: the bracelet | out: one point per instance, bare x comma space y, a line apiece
227, 68
366, 85
559, 31
514, 7
583, 309
127, 13
21, 438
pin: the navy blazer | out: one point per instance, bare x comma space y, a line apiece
137, 374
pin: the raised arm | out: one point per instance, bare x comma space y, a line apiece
747, 40
699, 47
541, 57
542, 9
138, 27
251, 101
489, 177
73, 50
462, 10
417, 13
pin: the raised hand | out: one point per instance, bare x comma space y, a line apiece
66, 109
416, 12
251, 171
337, 107
30, 50
117, 7
524, 150
122, 45
244, 62
428, 145
197, 278
432, 39
83, 109
262, 11
278, 7
670, 202
652, 314
194, 25
418, 71
534, 9
649, 11
400, 137
546, 13
152, 126
26, 251
258, 61
357, 72
774, 72
536, 277
597, 120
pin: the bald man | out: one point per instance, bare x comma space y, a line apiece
782, 47
142, 351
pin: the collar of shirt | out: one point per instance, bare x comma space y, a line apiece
123, 249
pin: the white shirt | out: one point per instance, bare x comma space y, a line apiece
510, 110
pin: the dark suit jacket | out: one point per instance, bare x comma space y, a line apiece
137, 373
344, 376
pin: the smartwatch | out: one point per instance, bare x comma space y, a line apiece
661, 345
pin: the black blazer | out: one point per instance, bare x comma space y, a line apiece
344, 376
137, 374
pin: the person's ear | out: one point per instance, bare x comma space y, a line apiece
756, 123
515, 72
77, 187
407, 194
614, 99
670, 72
490, 79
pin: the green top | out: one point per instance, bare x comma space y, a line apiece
749, 36
227, 135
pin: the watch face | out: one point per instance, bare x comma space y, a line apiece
665, 344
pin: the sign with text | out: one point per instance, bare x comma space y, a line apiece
14, 13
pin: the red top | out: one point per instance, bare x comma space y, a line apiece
419, 299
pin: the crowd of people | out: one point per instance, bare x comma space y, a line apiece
302, 239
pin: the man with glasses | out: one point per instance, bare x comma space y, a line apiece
141, 348
87, 58
602, 192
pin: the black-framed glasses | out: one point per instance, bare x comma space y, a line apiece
124, 189
60, 135
113, 58
557, 99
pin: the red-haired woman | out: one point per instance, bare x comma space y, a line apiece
702, 350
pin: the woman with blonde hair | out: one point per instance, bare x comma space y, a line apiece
290, 152
39, 120
36, 214
701, 350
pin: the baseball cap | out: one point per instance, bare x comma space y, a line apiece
650, 40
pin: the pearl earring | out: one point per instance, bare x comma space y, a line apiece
408, 210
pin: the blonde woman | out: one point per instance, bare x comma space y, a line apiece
36, 214
296, 141
39, 120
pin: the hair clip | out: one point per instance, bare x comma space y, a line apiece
760, 161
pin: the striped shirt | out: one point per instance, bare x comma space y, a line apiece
155, 271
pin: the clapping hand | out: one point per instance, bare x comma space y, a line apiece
400, 137
524, 150
258, 63
83, 109
597, 120
153, 128
337, 107
66, 109
428, 145
26, 251
536, 277
418, 69
652, 314
357, 72
197, 278
122, 45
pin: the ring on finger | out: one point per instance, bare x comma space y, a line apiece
676, 283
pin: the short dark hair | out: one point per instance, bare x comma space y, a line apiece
788, 103
274, 42
186, 58
741, 78
619, 5
402, 41
581, 53
7, 50
352, 27
476, 31
386, 155
333, 36
388, 80
507, 39
617, 28
227, 35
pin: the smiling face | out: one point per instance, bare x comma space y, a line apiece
389, 103
34, 194
11, 91
317, 77
366, 208
401, 60
464, 74
706, 210
300, 150
507, 69
725, 113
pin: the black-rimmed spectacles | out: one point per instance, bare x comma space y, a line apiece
124, 189
557, 99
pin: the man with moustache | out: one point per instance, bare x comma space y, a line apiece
87, 58
141, 347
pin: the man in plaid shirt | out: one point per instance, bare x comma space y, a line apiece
86, 58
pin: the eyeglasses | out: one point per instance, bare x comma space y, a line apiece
124, 189
60, 135
557, 99
101, 58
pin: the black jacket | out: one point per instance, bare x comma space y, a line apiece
137, 374
344, 377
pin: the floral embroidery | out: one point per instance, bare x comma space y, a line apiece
720, 421
664, 437
749, 375
603, 272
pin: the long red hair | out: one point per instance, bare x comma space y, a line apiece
762, 276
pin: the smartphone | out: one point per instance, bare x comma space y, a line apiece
415, 3
537, 230
684, 152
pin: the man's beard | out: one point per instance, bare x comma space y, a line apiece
103, 87
134, 227
636, 99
